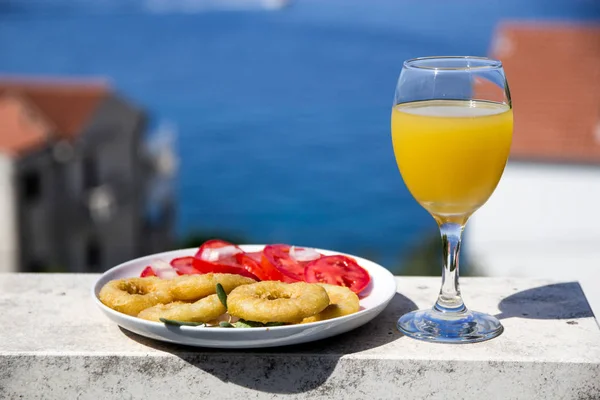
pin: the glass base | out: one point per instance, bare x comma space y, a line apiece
450, 327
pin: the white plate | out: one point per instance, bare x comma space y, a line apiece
380, 291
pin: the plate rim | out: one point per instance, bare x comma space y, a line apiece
232, 332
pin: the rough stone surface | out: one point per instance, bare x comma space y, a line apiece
55, 344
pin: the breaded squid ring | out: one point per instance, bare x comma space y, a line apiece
271, 301
204, 310
130, 296
342, 301
194, 287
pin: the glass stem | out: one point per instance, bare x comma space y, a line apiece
449, 299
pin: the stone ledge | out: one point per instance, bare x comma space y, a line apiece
56, 345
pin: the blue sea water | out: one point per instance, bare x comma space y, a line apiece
283, 116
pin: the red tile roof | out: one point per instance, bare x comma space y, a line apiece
64, 106
21, 128
553, 71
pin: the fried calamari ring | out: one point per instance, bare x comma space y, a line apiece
204, 310
271, 301
194, 287
130, 296
342, 301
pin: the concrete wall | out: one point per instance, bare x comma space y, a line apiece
542, 221
9, 242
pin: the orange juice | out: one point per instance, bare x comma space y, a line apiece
451, 153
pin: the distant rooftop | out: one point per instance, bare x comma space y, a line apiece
553, 71
33, 109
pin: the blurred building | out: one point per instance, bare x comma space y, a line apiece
543, 219
73, 178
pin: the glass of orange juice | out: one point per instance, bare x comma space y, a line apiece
452, 126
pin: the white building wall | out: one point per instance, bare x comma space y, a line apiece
542, 221
9, 246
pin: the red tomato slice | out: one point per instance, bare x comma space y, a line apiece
148, 271
337, 270
184, 266
206, 267
256, 256
250, 264
277, 256
219, 256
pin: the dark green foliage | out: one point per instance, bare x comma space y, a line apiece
195, 239
425, 259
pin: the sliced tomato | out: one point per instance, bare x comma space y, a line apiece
184, 266
207, 267
337, 270
277, 256
251, 264
256, 256
148, 271
219, 256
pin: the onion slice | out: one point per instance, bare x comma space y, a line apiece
164, 270
303, 254
219, 253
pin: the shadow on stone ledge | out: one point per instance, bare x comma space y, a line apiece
289, 369
558, 301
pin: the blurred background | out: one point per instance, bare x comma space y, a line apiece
135, 126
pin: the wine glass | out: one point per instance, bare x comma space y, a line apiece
452, 125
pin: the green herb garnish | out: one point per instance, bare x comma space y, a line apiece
222, 295
179, 323
253, 324
225, 324
275, 324
247, 324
